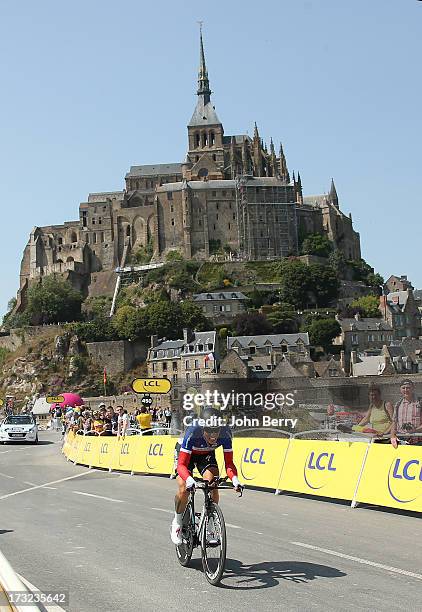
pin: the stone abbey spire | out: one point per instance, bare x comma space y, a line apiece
203, 80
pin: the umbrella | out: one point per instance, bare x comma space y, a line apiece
71, 399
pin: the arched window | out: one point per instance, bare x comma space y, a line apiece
70, 259
73, 237
128, 230
197, 140
212, 139
94, 238
204, 139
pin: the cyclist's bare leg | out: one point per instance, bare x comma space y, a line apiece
209, 474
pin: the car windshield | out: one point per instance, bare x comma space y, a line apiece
18, 420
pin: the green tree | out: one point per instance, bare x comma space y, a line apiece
283, 319
131, 323
98, 306
323, 283
317, 244
164, 319
251, 324
174, 256
323, 331
338, 263
54, 300
97, 329
193, 316
295, 281
367, 306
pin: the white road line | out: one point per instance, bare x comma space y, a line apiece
33, 589
46, 484
233, 526
6, 475
119, 501
31, 484
396, 570
164, 510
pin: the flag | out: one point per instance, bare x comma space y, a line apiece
209, 357
105, 376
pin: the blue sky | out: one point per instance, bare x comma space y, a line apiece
91, 87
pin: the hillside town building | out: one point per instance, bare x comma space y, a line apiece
231, 192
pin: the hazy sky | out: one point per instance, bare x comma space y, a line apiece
90, 87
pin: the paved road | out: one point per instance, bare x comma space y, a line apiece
105, 539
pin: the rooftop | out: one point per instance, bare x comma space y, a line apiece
268, 340
221, 295
154, 170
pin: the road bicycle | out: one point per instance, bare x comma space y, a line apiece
206, 529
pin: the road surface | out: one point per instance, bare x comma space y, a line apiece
104, 538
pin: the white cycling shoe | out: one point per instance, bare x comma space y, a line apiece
212, 537
176, 533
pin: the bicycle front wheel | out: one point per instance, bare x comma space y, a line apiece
185, 549
214, 544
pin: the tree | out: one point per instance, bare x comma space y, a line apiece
131, 323
98, 329
322, 332
164, 319
323, 283
193, 316
251, 324
98, 306
367, 306
283, 320
338, 263
295, 281
375, 281
316, 244
54, 300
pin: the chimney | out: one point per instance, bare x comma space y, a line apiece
185, 335
154, 341
343, 360
383, 306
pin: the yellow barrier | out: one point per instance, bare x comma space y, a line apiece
259, 460
392, 477
319, 467
341, 470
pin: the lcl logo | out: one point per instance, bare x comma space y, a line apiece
322, 462
124, 449
404, 478
104, 449
254, 456
87, 447
154, 450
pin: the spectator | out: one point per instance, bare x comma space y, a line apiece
407, 416
379, 414
167, 416
144, 420
122, 421
56, 417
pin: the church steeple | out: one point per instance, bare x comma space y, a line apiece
284, 172
332, 196
203, 80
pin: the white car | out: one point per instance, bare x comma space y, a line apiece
19, 428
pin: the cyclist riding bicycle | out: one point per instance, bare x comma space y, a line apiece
198, 450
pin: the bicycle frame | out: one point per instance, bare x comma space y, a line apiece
207, 487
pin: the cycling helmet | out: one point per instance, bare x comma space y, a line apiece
212, 418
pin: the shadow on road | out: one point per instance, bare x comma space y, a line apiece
28, 444
2, 531
269, 573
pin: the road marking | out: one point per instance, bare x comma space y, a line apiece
233, 526
164, 510
120, 501
396, 570
33, 589
31, 484
6, 475
46, 484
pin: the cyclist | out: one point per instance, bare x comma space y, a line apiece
198, 450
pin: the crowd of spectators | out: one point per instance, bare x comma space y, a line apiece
105, 421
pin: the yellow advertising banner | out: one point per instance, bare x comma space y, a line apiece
259, 460
155, 455
320, 467
392, 477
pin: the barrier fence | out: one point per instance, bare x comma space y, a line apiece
357, 471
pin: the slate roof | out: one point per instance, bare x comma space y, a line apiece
153, 170
220, 295
284, 369
237, 137
204, 114
174, 348
264, 340
366, 324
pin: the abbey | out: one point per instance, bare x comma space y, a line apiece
230, 192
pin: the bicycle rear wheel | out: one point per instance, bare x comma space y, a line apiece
185, 549
214, 544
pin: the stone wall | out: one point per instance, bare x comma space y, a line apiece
18, 337
118, 356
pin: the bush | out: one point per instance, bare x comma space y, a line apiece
251, 324
316, 244
54, 300
99, 329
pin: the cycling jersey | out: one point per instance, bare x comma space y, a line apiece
194, 445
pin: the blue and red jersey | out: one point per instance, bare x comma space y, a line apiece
194, 443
